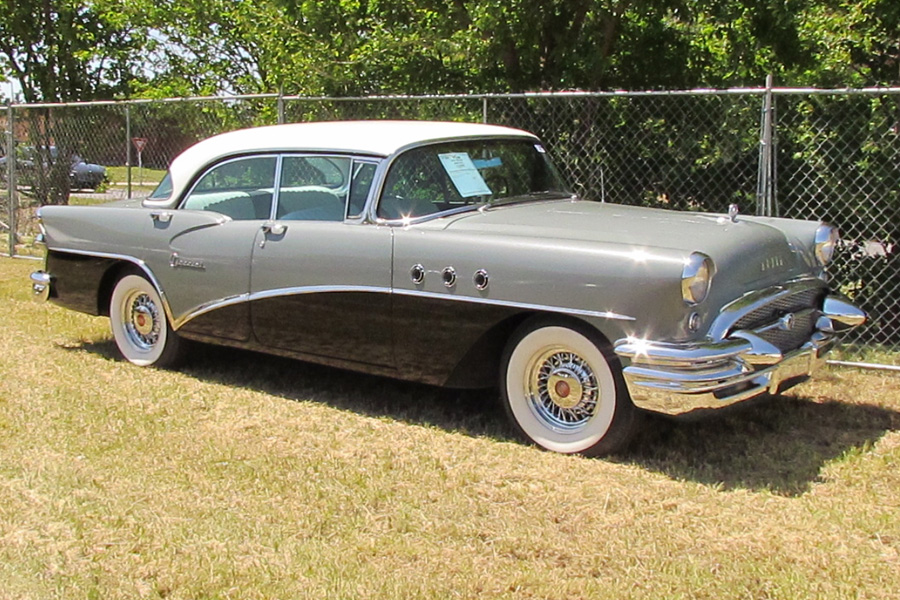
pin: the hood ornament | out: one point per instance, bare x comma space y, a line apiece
733, 212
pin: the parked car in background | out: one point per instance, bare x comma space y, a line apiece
82, 175
452, 254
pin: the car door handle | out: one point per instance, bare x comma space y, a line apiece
272, 228
161, 216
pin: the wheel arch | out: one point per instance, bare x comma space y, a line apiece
480, 365
116, 271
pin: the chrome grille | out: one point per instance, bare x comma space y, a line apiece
782, 305
765, 319
789, 339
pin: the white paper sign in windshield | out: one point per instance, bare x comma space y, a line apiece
465, 176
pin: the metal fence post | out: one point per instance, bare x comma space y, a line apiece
484, 110
280, 106
11, 176
128, 150
765, 192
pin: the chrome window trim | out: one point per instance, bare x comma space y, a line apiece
276, 187
276, 181
352, 158
190, 190
359, 160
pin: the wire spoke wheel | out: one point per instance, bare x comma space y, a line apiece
142, 320
562, 392
139, 324
562, 389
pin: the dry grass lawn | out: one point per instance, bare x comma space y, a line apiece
244, 476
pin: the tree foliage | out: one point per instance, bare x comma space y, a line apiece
69, 50
59, 51
74, 50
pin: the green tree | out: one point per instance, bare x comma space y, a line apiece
67, 50
59, 51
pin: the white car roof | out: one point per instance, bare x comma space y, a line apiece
376, 138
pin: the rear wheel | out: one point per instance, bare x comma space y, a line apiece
139, 324
563, 389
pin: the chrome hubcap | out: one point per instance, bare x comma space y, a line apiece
142, 320
562, 389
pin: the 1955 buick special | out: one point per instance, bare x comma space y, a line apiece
452, 254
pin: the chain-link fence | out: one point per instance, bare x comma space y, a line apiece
811, 154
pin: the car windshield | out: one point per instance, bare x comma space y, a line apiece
468, 174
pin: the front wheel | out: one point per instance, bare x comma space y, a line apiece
139, 324
563, 390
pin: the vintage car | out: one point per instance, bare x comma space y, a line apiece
31, 161
452, 254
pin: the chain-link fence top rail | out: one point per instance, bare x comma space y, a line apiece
835, 155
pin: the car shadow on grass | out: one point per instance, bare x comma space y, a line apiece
778, 444
473, 412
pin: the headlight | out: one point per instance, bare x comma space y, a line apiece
696, 278
827, 238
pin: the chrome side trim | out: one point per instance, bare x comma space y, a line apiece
316, 289
130, 259
208, 307
327, 289
520, 305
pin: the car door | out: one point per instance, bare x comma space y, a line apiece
206, 275
320, 277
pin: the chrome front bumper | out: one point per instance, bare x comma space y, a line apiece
675, 379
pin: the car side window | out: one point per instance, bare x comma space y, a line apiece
313, 188
241, 189
363, 176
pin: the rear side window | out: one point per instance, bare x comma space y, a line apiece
313, 188
241, 189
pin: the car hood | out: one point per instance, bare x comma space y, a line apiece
752, 251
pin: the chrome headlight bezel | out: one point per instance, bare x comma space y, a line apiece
696, 278
826, 241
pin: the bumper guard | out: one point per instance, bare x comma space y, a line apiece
676, 379
40, 285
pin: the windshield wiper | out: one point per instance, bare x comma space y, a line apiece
530, 196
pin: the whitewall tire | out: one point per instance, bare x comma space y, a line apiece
139, 324
563, 392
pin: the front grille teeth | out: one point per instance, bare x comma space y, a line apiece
771, 322
780, 306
